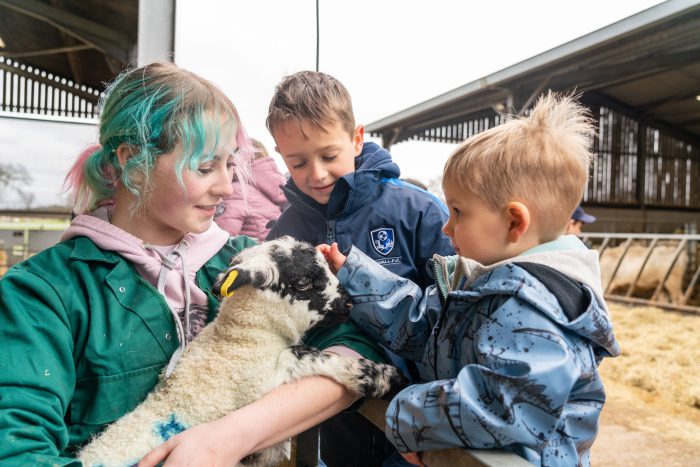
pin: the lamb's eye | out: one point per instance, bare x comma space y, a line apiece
303, 284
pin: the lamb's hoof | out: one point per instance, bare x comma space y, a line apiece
397, 382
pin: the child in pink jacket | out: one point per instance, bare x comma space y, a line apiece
263, 201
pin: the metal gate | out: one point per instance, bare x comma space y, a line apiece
650, 269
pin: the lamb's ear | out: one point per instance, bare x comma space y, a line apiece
229, 281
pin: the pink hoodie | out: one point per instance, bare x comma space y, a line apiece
264, 202
170, 269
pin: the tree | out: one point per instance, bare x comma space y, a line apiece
16, 177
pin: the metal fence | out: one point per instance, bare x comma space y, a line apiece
18, 241
305, 451
650, 269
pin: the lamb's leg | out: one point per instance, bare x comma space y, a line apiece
362, 376
127, 440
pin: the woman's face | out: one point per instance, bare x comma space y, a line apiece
169, 210
173, 211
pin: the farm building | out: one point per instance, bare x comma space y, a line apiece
58, 56
641, 79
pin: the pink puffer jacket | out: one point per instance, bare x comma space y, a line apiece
265, 201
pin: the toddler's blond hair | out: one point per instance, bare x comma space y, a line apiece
541, 160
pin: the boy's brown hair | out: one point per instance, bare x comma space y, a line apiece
311, 97
541, 160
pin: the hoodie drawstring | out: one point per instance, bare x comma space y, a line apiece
184, 332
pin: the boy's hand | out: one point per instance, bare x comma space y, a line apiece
333, 256
413, 458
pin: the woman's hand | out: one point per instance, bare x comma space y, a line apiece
278, 415
333, 256
207, 445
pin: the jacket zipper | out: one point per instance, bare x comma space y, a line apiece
330, 232
436, 334
438, 269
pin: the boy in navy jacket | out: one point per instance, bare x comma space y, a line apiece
346, 191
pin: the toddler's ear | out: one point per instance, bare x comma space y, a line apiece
518, 220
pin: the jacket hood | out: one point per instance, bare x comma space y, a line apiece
197, 249
561, 280
353, 190
375, 157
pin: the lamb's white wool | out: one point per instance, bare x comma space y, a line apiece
275, 292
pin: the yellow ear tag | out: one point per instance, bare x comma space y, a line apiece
228, 283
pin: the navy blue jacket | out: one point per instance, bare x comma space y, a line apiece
395, 223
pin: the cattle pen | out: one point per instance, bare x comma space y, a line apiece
650, 269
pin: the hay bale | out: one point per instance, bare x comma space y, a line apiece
660, 353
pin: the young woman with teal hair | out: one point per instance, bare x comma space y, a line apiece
88, 326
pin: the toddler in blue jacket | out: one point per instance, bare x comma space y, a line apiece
510, 334
344, 190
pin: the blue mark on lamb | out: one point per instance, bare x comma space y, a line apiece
169, 428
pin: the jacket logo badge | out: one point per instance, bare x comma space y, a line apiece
383, 240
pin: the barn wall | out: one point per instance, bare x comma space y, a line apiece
621, 220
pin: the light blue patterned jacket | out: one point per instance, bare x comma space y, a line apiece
509, 352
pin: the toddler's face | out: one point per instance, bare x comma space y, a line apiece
318, 159
476, 231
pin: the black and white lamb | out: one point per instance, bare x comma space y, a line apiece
282, 288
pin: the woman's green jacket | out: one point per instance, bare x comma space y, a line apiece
83, 339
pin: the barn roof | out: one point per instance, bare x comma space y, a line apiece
648, 64
85, 41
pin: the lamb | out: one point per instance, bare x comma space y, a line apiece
282, 288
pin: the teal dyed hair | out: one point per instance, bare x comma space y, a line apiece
153, 109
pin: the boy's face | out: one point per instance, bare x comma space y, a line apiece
476, 231
316, 161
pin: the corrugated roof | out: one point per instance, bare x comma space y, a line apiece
85, 41
648, 63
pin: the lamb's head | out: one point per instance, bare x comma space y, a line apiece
293, 270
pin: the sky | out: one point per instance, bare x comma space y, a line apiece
390, 54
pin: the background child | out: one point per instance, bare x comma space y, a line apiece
88, 325
344, 190
511, 334
252, 206
578, 218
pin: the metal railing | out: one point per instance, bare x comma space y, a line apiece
374, 410
20, 240
650, 269
305, 450
25, 89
